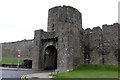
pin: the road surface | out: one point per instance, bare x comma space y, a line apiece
13, 74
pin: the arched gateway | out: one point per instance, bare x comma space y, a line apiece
50, 58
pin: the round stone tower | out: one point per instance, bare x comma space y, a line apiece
66, 23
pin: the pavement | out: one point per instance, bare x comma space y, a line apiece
6, 68
41, 74
37, 75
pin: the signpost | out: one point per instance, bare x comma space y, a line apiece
18, 58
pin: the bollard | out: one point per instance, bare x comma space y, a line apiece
57, 73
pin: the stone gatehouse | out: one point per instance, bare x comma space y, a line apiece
66, 44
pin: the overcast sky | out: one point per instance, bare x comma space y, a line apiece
19, 18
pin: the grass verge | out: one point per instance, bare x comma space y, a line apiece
7, 60
90, 72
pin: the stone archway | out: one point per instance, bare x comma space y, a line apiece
50, 58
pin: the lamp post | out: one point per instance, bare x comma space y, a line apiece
18, 59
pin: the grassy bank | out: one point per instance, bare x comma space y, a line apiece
91, 71
8, 60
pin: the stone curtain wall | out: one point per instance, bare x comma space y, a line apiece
10, 49
101, 45
95, 46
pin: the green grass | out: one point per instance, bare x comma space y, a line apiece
91, 71
6, 60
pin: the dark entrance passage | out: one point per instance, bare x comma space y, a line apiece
50, 58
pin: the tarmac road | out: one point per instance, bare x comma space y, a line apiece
13, 73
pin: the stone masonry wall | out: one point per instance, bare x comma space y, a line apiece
10, 49
95, 41
110, 43
101, 45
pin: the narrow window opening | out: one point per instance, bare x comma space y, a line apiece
53, 27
